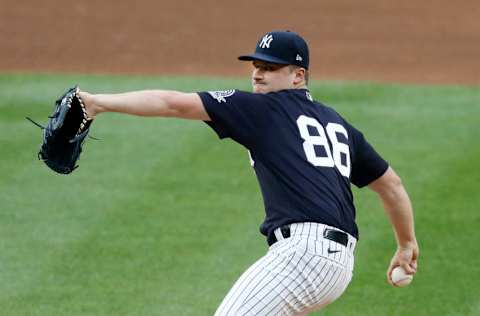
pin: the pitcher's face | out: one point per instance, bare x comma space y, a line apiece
270, 77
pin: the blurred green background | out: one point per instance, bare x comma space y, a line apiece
161, 217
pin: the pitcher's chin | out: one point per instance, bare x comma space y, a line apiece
259, 88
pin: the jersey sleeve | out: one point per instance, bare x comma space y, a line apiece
367, 164
236, 114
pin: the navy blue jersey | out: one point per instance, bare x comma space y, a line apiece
305, 155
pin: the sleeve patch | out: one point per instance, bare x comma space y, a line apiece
221, 95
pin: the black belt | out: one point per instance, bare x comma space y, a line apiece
330, 234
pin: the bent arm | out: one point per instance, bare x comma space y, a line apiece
398, 207
164, 103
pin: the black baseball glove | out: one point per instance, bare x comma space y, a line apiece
65, 133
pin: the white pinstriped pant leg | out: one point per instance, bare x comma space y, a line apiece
297, 275
255, 278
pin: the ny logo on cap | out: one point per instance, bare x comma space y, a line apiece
266, 40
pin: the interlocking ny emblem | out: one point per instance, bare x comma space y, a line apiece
266, 40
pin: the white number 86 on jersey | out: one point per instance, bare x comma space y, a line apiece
310, 141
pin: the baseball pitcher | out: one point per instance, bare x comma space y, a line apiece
305, 156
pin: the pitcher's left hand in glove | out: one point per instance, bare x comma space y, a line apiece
65, 133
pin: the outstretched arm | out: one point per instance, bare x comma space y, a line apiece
399, 209
163, 103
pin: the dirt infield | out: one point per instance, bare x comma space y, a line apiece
434, 41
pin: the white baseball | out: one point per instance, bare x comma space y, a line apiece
400, 278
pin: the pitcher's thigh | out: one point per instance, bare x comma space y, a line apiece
256, 292
286, 283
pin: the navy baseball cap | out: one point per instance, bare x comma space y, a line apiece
281, 47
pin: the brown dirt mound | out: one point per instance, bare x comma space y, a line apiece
404, 41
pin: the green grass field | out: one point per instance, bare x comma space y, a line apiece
162, 217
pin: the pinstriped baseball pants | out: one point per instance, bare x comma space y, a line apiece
298, 275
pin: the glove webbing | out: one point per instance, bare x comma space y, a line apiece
72, 140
